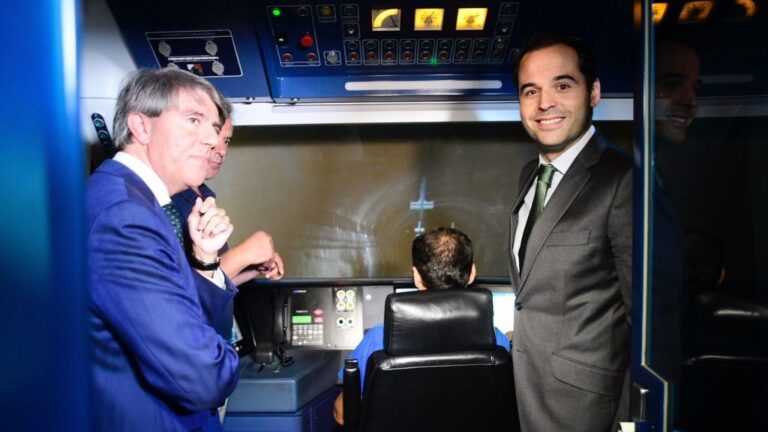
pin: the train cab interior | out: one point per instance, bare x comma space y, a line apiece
361, 124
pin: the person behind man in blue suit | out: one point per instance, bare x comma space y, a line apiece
157, 364
442, 259
255, 255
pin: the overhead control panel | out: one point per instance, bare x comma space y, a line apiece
330, 51
216, 42
390, 36
304, 51
208, 53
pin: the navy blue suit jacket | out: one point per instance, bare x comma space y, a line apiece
157, 362
220, 319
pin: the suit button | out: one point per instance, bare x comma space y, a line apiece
518, 306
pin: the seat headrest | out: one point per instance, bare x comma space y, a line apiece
428, 322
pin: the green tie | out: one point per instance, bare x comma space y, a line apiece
175, 217
542, 186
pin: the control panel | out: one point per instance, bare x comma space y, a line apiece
335, 50
217, 42
354, 35
208, 53
327, 317
308, 51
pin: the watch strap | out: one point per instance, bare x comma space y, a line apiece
201, 265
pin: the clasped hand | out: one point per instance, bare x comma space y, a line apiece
209, 229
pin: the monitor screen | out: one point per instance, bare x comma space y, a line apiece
504, 310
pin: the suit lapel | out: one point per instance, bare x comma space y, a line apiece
561, 200
514, 221
137, 184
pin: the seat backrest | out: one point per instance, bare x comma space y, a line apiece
440, 369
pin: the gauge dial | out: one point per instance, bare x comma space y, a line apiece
428, 19
385, 19
471, 18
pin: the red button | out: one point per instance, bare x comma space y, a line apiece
287, 57
307, 41
311, 56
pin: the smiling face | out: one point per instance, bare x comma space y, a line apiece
677, 84
555, 100
219, 152
180, 140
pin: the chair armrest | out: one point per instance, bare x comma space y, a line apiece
351, 388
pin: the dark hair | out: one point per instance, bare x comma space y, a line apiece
443, 258
546, 39
152, 91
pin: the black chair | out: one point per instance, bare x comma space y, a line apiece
440, 369
725, 376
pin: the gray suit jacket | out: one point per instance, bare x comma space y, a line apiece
572, 325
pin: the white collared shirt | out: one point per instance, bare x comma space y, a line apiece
160, 191
146, 174
561, 164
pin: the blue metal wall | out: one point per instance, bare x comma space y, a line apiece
44, 360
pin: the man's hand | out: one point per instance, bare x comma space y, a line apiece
272, 269
209, 229
256, 255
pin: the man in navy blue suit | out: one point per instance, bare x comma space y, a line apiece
157, 362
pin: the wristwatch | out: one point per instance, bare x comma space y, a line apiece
200, 265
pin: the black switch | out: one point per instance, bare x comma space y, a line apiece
518, 306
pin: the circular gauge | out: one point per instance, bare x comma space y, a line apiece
429, 19
385, 19
471, 18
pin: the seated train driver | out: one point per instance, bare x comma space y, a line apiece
442, 259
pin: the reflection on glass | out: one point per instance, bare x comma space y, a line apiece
695, 11
708, 206
659, 10
741, 10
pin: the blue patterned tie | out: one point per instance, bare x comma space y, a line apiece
546, 172
175, 217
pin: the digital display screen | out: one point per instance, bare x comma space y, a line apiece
301, 319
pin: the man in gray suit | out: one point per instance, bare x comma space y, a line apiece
571, 243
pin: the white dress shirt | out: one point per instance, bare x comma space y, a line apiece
561, 164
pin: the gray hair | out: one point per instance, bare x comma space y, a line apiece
152, 91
